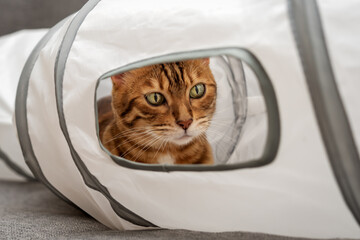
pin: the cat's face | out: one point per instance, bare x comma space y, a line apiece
172, 102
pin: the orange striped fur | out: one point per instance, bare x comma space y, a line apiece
171, 133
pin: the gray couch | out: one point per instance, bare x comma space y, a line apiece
30, 211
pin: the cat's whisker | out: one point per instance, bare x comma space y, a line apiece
141, 136
136, 135
223, 132
223, 123
218, 133
164, 129
222, 147
148, 141
203, 122
219, 124
134, 129
222, 136
203, 138
139, 143
129, 132
128, 151
127, 136
227, 128
164, 140
143, 150
150, 144
227, 123
221, 120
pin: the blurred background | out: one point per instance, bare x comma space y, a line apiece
28, 14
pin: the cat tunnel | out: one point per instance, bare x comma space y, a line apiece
286, 151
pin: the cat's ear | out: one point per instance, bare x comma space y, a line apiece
206, 61
118, 80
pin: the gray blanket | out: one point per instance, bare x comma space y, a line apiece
30, 211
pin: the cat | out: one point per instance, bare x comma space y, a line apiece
159, 114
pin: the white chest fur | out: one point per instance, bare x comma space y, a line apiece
166, 159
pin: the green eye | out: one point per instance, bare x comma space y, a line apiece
155, 99
197, 91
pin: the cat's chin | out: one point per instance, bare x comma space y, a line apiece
184, 140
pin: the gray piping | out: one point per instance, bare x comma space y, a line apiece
21, 112
330, 113
60, 64
14, 166
273, 137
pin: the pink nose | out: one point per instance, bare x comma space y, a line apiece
185, 124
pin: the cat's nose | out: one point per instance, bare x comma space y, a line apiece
184, 124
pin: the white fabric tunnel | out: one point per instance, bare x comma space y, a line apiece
287, 75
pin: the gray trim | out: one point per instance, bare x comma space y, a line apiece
14, 166
330, 113
273, 137
60, 64
21, 112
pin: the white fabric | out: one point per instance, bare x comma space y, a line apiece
44, 127
298, 188
295, 195
14, 49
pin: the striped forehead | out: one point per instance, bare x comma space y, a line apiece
174, 77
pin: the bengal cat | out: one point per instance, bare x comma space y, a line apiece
159, 114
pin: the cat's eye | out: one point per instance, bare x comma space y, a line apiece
155, 98
197, 91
